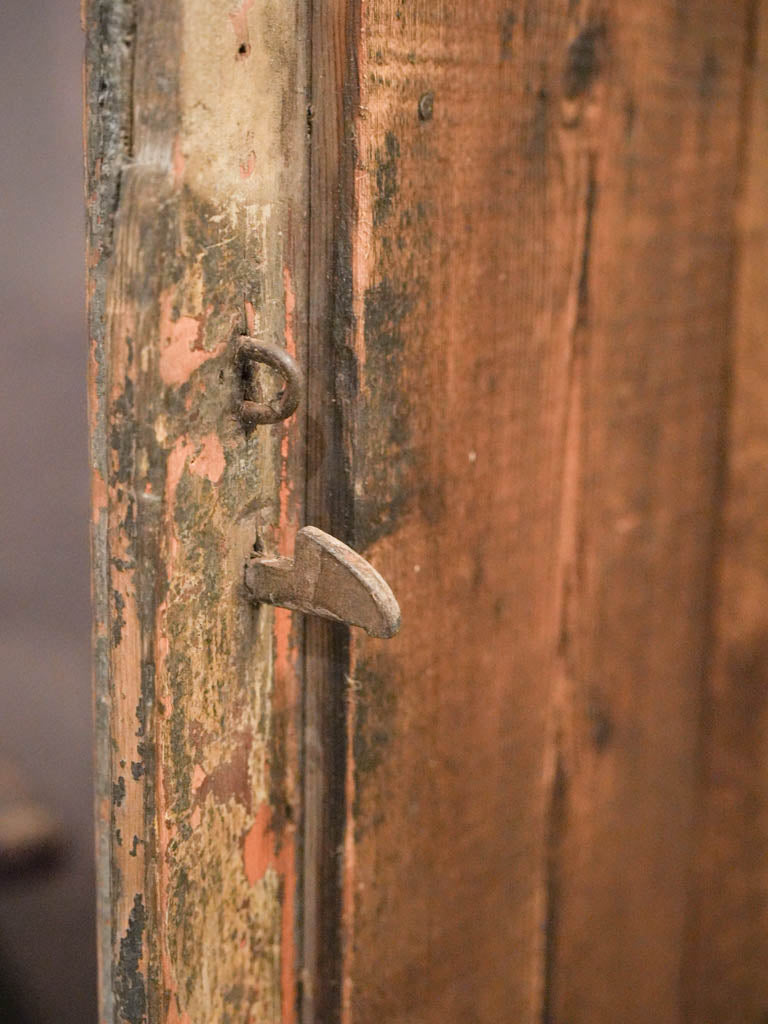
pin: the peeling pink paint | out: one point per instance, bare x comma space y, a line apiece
182, 351
178, 163
174, 1017
239, 20
206, 460
250, 317
247, 169
99, 496
209, 462
286, 865
258, 847
198, 777
258, 857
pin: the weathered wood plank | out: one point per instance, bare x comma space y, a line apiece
466, 256
638, 589
726, 979
540, 300
197, 199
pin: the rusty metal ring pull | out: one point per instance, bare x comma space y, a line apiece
256, 350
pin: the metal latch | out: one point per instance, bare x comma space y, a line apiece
326, 578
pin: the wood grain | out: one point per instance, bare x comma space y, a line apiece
638, 614
541, 260
196, 139
725, 977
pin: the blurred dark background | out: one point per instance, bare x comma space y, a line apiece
47, 944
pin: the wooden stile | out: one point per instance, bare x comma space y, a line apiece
197, 216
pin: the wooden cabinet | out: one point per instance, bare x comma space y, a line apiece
518, 250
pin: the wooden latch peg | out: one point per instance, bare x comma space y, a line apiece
326, 578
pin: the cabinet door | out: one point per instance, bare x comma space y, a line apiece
516, 252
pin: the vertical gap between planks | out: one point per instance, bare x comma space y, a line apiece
326, 654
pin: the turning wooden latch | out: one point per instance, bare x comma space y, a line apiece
326, 578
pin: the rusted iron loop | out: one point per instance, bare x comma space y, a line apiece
256, 350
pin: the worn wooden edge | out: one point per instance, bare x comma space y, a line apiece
106, 129
136, 977
334, 88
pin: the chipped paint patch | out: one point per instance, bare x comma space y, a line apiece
239, 20
247, 168
258, 846
174, 1017
209, 462
181, 350
260, 859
